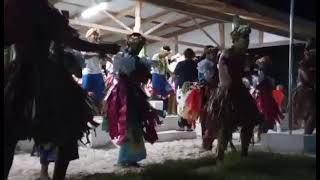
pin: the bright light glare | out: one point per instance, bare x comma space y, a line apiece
88, 13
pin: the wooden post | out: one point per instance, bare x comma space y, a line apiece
176, 47
260, 37
145, 48
222, 35
137, 25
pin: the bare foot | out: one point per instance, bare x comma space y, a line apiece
233, 149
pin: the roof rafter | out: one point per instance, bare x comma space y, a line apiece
155, 16
123, 31
189, 29
196, 11
118, 15
205, 32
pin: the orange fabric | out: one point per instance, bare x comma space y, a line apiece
193, 106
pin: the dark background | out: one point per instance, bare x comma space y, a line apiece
302, 8
280, 61
305, 9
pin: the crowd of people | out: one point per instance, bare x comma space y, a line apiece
58, 81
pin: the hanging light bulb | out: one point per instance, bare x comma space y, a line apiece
92, 11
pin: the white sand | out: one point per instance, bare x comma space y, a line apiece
94, 161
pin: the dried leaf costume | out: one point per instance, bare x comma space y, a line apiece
232, 105
304, 95
41, 100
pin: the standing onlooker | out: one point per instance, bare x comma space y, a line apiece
206, 66
186, 71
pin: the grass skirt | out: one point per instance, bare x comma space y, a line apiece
43, 102
229, 108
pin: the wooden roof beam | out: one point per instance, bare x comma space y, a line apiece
265, 11
275, 19
189, 29
263, 15
207, 13
174, 24
157, 15
123, 31
171, 24
119, 15
165, 26
255, 10
115, 19
205, 32
101, 27
185, 30
154, 28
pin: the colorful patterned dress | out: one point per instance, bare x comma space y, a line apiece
131, 118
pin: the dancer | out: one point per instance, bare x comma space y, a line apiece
232, 105
131, 118
92, 80
264, 98
303, 98
48, 151
208, 79
160, 85
41, 96
209, 90
185, 72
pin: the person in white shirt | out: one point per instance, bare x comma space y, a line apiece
92, 77
160, 85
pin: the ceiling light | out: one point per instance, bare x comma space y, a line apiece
88, 13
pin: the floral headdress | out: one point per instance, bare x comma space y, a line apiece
240, 31
92, 31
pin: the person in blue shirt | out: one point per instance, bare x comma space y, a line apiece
208, 80
207, 66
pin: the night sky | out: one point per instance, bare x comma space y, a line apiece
303, 8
